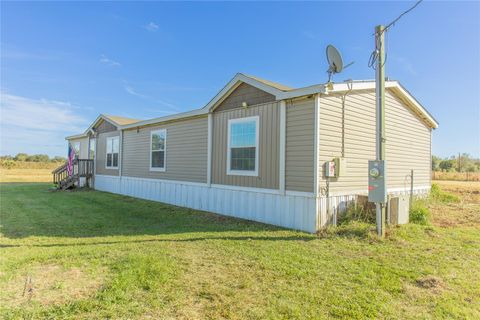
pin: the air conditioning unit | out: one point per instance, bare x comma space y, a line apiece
398, 209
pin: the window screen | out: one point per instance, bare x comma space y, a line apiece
157, 154
243, 144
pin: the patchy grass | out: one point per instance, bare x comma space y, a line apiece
438, 195
93, 255
464, 212
50, 284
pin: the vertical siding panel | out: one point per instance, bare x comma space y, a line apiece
101, 153
268, 144
407, 145
299, 150
186, 154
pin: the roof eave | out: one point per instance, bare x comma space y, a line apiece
77, 136
395, 86
414, 102
173, 117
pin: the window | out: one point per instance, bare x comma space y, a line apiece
242, 157
158, 142
91, 152
76, 147
112, 152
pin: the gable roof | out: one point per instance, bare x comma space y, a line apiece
120, 121
279, 86
115, 120
281, 92
273, 88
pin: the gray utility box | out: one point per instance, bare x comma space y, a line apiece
377, 189
398, 209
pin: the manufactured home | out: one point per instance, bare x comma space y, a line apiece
258, 151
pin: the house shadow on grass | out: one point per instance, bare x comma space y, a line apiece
30, 210
173, 239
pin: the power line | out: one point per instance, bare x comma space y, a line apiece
400, 16
374, 56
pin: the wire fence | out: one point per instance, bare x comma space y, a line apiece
458, 176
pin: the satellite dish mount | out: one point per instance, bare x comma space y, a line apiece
335, 61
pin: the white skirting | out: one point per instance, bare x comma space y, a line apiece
291, 210
295, 210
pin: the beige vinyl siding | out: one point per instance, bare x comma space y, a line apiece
101, 154
407, 145
186, 151
269, 120
245, 93
105, 126
299, 150
83, 147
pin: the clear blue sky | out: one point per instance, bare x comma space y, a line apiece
64, 63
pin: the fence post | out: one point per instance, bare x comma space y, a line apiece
411, 188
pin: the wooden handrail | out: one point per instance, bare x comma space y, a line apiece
63, 166
81, 168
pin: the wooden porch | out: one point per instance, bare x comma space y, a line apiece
82, 168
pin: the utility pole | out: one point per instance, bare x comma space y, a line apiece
380, 115
459, 169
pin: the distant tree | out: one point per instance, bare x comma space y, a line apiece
38, 158
8, 164
466, 163
472, 168
21, 157
435, 162
6, 157
446, 165
58, 159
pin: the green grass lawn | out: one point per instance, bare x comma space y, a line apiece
90, 254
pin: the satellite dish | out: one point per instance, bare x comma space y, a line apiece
334, 60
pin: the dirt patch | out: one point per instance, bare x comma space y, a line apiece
435, 284
49, 285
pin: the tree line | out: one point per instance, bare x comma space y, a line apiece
24, 157
460, 163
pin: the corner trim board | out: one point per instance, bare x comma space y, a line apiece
283, 125
209, 149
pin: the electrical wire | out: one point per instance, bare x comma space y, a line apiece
375, 54
400, 16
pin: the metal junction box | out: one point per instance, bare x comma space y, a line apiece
377, 189
398, 209
336, 168
340, 166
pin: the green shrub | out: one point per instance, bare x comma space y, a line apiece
438, 195
7, 164
419, 212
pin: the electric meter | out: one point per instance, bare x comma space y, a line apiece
377, 189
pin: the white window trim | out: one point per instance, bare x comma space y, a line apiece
106, 152
257, 150
164, 151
